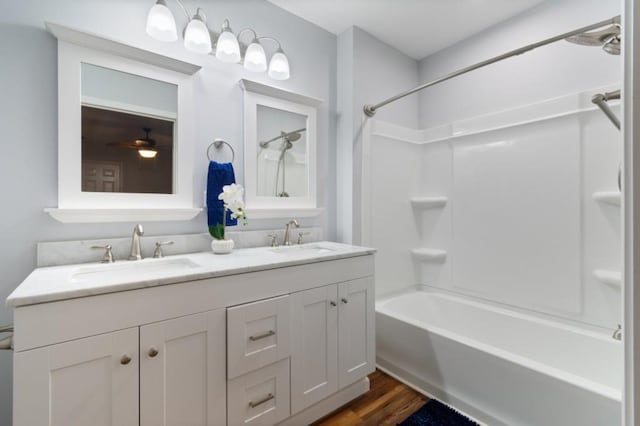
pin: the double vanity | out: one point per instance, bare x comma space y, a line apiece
264, 335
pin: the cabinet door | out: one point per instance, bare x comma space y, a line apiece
314, 355
182, 371
356, 341
90, 381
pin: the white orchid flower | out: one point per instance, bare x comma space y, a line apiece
230, 193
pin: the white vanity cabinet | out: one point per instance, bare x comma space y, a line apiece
90, 381
180, 362
332, 341
106, 380
278, 345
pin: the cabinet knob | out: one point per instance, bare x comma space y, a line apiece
152, 352
345, 301
126, 359
332, 303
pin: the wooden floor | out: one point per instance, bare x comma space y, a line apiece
389, 402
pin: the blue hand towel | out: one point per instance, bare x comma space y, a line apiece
220, 174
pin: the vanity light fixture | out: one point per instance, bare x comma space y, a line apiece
196, 35
279, 66
255, 59
227, 46
160, 22
161, 25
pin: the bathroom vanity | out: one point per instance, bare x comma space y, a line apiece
260, 336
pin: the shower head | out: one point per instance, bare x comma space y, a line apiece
608, 38
287, 136
293, 136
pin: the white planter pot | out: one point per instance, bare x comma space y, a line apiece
222, 246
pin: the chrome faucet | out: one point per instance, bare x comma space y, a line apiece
135, 243
287, 238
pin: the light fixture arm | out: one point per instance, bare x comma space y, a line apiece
242, 31
184, 9
202, 14
271, 39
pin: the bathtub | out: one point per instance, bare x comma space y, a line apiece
498, 366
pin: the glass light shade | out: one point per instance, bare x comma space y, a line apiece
254, 58
147, 153
279, 66
161, 24
227, 48
196, 36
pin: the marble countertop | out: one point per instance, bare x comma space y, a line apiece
56, 283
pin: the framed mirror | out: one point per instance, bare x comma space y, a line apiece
280, 151
125, 126
127, 132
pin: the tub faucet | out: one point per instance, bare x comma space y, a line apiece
617, 333
135, 243
287, 237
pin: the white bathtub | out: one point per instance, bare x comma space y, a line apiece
500, 366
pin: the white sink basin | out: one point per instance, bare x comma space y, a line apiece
132, 270
304, 249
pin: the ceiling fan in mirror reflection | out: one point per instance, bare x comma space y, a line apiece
146, 146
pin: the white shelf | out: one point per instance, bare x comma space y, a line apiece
428, 202
121, 215
98, 42
429, 255
612, 278
608, 197
276, 213
276, 92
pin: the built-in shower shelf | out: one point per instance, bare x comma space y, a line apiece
428, 202
609, 197
429, 255
612, 278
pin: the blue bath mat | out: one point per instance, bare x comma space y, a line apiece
435, 413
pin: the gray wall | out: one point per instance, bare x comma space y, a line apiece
368, 72
28, 111
547, 72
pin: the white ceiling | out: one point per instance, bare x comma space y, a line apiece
416, 27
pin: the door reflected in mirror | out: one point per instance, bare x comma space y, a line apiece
128, 128
283, 164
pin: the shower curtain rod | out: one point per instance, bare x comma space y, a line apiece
370, 110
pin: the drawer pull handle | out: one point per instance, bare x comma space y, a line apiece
345, 301
332, 303
126, 359
262, 336
262, 401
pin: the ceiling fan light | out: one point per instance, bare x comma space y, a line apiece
196, 35
161, 24
279, 66
227, 46
147, 153
255, 60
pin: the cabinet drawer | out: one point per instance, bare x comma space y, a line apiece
261, 397
257, 335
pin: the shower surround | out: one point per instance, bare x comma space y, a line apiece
516, 211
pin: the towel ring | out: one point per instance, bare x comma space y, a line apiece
218, 144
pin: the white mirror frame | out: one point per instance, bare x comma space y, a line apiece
74, 205
256, 94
